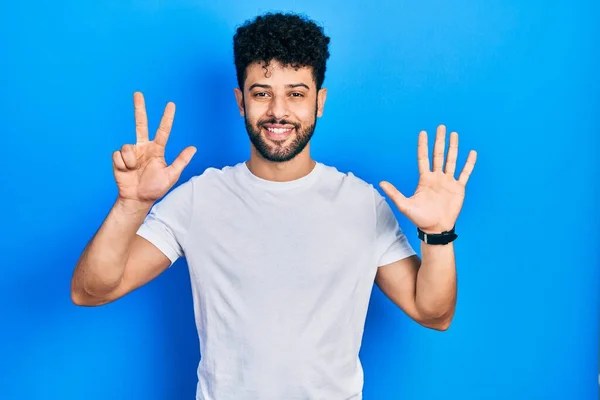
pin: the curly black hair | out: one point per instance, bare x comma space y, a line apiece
289, 38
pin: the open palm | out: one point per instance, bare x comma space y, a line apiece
438, 199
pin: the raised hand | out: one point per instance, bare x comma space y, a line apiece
438, 199
140, 169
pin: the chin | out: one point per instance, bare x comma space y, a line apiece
278, 148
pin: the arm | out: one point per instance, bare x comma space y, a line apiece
425, 290
117, 260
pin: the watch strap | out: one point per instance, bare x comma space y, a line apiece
437, 238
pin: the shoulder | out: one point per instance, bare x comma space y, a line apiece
212, 185
212, 175
348, 181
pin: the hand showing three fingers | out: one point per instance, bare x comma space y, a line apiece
436, 203
140, 170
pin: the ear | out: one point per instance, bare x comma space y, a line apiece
321, 96
239, 98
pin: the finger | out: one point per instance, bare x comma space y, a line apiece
118, 161
452, 154
129, 157
439, 147
182, 160
166, 122
141, 119
423, 153
398, 198
468, 168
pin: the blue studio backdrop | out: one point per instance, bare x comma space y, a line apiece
517, 80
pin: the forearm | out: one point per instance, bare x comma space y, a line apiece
436, 281
102, 263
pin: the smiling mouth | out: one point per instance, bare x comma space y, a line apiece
278, 134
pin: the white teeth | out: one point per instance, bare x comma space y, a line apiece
279, 131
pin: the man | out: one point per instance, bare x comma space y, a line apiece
282, 250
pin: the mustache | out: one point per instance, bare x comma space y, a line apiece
278, 121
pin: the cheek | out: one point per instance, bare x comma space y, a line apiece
253, 113
305, 113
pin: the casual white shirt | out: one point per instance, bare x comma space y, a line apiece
281, 275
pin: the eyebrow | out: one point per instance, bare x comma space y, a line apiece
288, 86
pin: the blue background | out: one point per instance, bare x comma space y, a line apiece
517, 80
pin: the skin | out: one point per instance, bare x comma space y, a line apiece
280, 94
117, 261
426, 289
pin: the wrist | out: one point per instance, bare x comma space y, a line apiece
437, 229
437, 235
131, 206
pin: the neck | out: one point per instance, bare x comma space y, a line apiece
296, 168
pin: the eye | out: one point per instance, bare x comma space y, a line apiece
260, 94
297, 94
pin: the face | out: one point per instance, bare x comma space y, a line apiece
280, 107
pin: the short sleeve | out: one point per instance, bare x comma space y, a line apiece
390, 242
168, 221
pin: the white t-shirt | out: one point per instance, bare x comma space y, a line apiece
281, 275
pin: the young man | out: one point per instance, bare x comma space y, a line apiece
282, 250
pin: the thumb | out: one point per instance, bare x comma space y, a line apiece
398, 198
182, 160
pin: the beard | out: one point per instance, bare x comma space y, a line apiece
278, 151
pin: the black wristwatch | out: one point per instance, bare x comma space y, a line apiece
437, 238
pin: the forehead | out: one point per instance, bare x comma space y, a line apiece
278, 75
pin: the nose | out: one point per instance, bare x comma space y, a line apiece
278, 108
